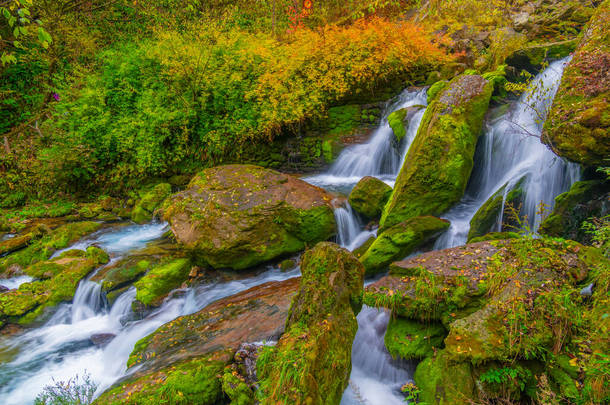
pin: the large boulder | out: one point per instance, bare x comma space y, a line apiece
56, 281
369, 196
440, 160
238, 216
400, 240
311, 363
182, 362
584, 200
578, 126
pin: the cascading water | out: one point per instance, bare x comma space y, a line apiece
510, 151
15, 282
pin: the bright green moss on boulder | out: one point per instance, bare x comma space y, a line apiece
409, 340
311, 363
236, 389
435, 89
495, 236
487, 217
44, 248
161, 280
398, 124
150, 201
400, 240
440, 160
59, 279
584, 200
238, 216
369, 196
443, 381
578, 126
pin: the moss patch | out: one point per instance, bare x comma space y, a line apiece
161, 280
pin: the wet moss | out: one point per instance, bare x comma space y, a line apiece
398, 124
236, 389
369, 197
409, 340
444, 382
161, 280
150, 201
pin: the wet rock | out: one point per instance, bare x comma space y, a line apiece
238, 216
440, 160
400, 240
150, 201
369, 197
533, 57
316, 347
3, 289
161, 280
188, 355
287, 265
102, 339
578, 126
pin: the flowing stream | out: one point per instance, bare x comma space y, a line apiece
62, 348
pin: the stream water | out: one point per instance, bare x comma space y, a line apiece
62, 348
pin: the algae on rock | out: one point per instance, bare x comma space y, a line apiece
369, 197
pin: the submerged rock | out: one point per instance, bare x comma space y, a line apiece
102, 339
578, 126
185, 358
311, 363
238, 216
400, 240
440, 160
369, 197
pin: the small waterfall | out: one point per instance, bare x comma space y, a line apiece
510, 151
14, 282
349, 225
87, 301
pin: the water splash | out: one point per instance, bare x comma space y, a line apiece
14, 282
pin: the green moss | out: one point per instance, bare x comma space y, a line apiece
444, 382
440, 160
44, 248
161, 280
236, 389
192, 382
410, 339
369, 196
495, 236
435, 90
123, 275
400, 240
150, 201
398, 124
359, 251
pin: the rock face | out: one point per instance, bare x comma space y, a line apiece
584, 200
400, 240
369, 197
578, 126
440, 160
533, 57
150, 201
486, 218
56, 282
311, 363
238, 216
507, 306
185, 358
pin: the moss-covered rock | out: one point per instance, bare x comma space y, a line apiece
440, 160
584, 200
161, 280
150, 201
238, 216
43, 248
400, 240
501, 205
578, 126
369, 197
398, 123
444, 382
410, 340
58, 280
495, 236
183, 361
533, 57
311, 363
435, 89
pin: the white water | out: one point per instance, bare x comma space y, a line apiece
14, 282
62, 349
510, 150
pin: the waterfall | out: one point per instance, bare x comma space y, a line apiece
509, 151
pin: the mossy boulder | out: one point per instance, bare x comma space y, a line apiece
43, 248
151, 200
369, 197
183, 361
238, 216
400, 240
311, 363
497, 213
161, 280
436, 89
411, 340
578, 125
495, 236
398, 123
440, 160
584, 200
57, 282
443, 381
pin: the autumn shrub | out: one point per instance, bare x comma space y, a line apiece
197, 98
